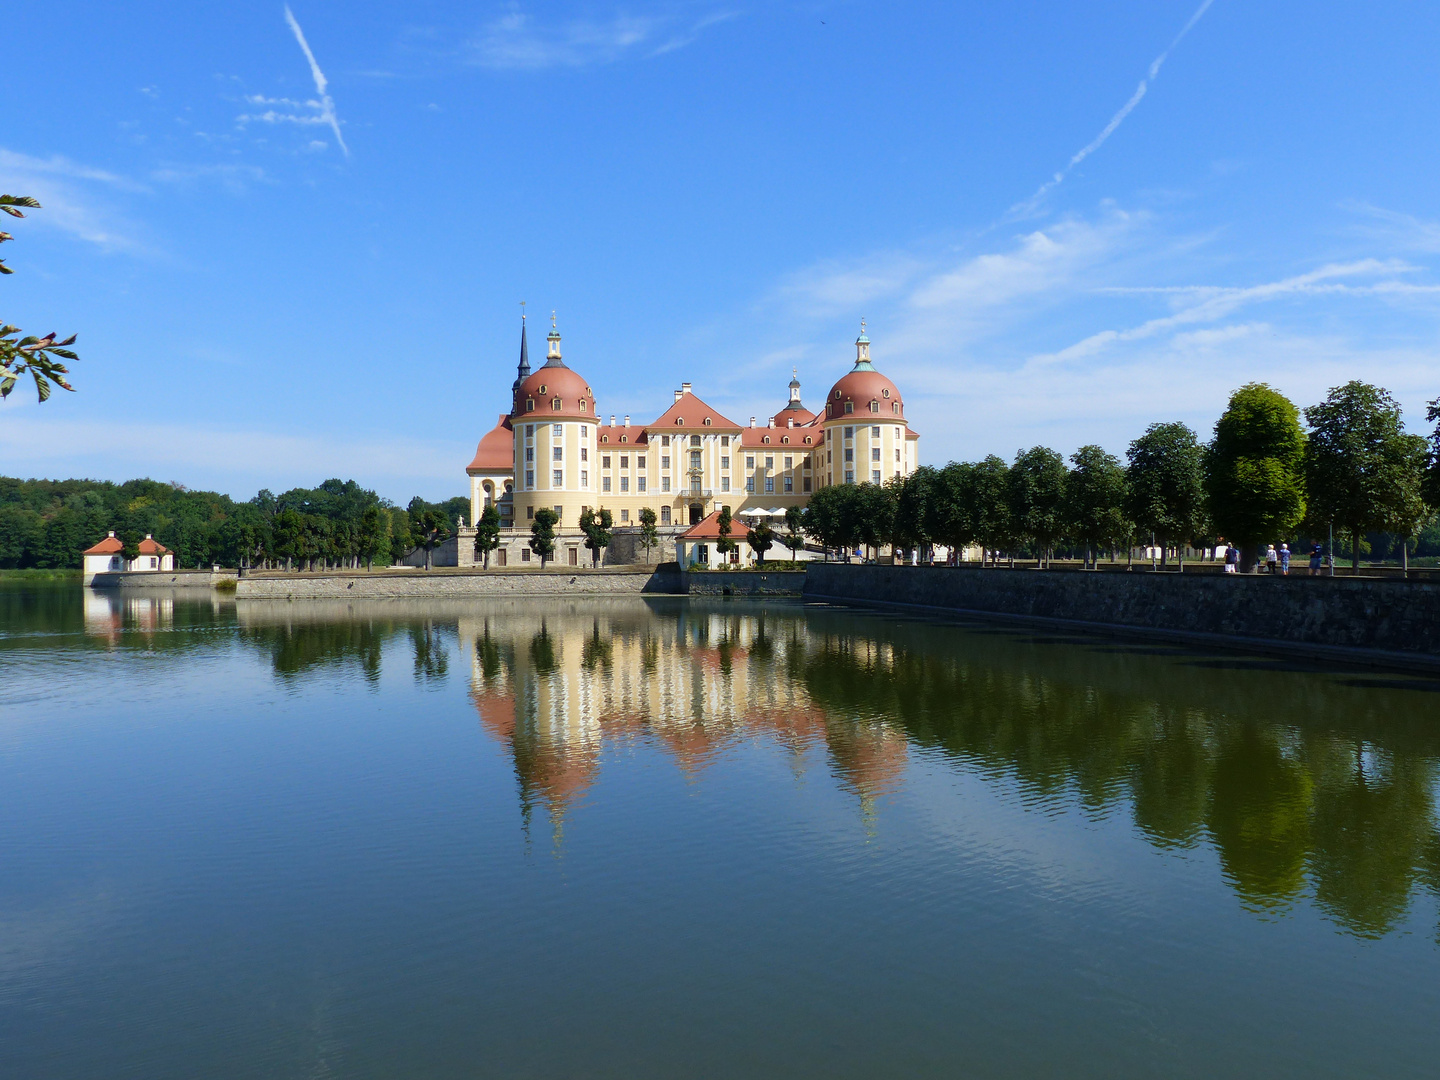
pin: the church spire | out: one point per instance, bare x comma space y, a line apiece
523, 369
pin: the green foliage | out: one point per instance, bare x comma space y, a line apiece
22, 353
826, 518
372, 539
596, 525
1431, 490
487, 533
761, 538
1094, 505
1255, 469
725, 545
987, 504
794, 537
1165, 493
912, 495
648, 535
1363, 471
542, 533
874, 509
429, 529
1035, 494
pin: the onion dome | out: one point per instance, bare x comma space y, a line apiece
864, 390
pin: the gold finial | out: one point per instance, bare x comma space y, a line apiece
862, 326
794, 372
522, 310
552, 318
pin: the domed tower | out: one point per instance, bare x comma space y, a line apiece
794, 414
554, 420
866, 437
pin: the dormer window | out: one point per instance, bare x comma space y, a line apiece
604, 438
895, 407
529, 404
767, 440
624, 438
807, 440
874, 406
582, 404
679, 421
784, 438
849, 406
707, 421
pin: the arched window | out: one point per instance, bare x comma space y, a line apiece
604, 438
895, 407
582, 404
808, 440
679, 421
624, 438
784, 438
707, 421
767, 440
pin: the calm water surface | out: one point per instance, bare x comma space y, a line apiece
660, 838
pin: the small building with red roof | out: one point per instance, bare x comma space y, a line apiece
698, 546
108, 557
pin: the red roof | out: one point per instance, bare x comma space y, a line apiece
690, 412
150, 547
551, 383
634, 434
496, 451
108, 546
709, 529
777, 436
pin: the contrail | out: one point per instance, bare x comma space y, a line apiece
327, 105
1116, 120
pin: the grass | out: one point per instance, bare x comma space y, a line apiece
40, 575
228, 584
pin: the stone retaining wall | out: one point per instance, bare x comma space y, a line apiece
1395, 617
744, 582
400, 584
160, 579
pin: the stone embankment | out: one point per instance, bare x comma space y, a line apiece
745, 582
1360, 619
453, 583
161, 579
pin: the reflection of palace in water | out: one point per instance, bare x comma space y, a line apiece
553, 689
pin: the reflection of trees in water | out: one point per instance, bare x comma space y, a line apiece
303, 648
432, 652
1269, 766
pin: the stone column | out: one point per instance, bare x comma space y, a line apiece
464, 545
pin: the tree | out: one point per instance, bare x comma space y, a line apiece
947, 516
288, 536
874, 513
373, 532
761, 538
542, 533
1095, 500
487, 533
1255, 470
1035, 492
914, 495
724, 523
403, 541
596, 525
429, 530
794, 537
22, 353
648, 535
1431, 490
986, 504
1164, 494
1363, 471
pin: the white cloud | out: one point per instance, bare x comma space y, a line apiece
515, 42
321, 110
67, 192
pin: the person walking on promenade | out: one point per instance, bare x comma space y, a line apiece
1284, 560
1232, 560
1316, 553
1270, 559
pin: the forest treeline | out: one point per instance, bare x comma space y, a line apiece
1263, 478
47, 523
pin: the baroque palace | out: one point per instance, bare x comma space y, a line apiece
555, 449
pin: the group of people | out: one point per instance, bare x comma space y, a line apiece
1277, 561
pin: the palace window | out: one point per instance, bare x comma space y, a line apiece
806, 485
604, 461
724, 440
695, 459
640, 461
895, 407
557, 479
849, 406
766, 440
624, 515
679, 421
529, 453
897, 453
584, 478
624, 461
750, 484
529, 478
582, 409
785, 439
557, 430
584, 453
555, 404
530, 513
664, 515
707, 421
769, 463
808, 440
624, 438
664, 440
525, 552
557, 453
875, 476
849, 454
694, 440
584, 430
664, 483
749, 462
624, 483
874, 453
827, 457
695, 485
849, 476
789, 485
849, 433
605, 483
724, 483
640, 483
769, 485
725, 461
529, 431
875, 432
529, 404
789, 463
874, 406
664, 461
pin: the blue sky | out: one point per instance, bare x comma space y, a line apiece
709, 192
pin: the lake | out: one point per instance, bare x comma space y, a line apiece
659, 838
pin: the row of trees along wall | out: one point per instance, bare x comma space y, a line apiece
47, 523
1263, 478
